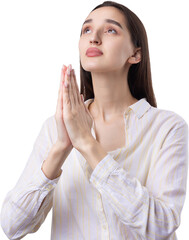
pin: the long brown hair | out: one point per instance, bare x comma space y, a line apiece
139, 75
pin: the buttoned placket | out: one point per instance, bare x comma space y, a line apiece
100, 209
102, 218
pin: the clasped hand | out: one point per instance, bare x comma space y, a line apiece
77, 118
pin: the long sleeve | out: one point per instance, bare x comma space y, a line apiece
151, 211
28, 203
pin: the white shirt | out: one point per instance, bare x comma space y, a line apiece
135, 192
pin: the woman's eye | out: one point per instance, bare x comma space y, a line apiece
112, 30
84, 31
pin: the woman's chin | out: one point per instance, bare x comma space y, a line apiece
94, 68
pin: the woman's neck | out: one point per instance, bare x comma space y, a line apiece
112, 96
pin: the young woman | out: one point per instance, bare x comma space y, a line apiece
109, 163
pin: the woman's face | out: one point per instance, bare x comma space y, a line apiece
105, 29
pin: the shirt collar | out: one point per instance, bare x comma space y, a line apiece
139, 108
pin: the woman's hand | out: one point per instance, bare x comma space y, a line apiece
77, 118
63, 137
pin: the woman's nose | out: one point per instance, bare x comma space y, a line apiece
95, 39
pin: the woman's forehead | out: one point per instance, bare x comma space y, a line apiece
106, 12
102, 14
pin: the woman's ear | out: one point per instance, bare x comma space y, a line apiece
136, 57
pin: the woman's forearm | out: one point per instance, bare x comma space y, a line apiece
28, 203
52, 165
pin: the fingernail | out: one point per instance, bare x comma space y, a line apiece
69, 69
63, 67
65, 84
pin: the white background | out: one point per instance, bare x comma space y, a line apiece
37, 37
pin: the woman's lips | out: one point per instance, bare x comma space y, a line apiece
93, 52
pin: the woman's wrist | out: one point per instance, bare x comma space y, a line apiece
51, 167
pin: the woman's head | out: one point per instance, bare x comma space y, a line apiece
106, 30
124, 46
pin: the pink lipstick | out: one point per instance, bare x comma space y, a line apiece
93, 52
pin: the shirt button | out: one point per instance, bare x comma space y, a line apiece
48, 188
104, 227
99, 197
101, 209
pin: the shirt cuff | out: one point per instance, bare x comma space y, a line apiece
42, 182
103, 170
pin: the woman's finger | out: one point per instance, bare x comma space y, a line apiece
71, 92
73, 95
66, 97
69, 79
59, 101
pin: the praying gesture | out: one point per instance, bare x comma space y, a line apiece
63, 137
74, 121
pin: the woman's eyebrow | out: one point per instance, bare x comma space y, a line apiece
106, 20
